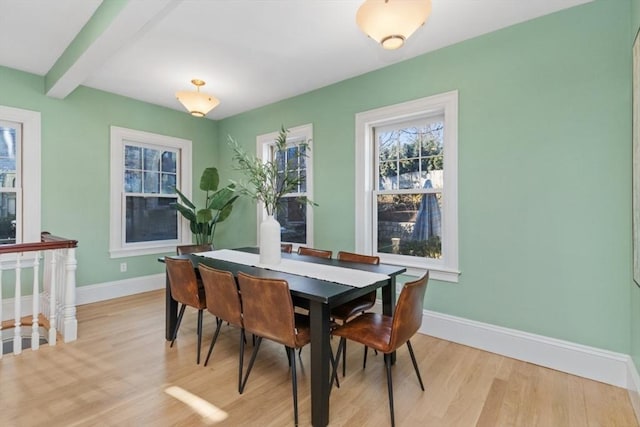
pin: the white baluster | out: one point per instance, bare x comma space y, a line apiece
53, 318
17, 339
70, 321
35, 297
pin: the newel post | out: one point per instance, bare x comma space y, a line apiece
70, 323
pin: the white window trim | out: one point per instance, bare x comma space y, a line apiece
304, 133
117, 247
28, 195
447, 103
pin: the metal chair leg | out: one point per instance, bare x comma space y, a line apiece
334, 371
243, 340
251, 361
344, 359
213, 340
175, 331
199, 336
387, 364
415, 364
294, 383
334, 374
364, 359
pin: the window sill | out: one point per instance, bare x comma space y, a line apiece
129, 252
418, 268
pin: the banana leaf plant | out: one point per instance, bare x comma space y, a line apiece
217, 207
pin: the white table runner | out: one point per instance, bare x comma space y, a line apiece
344, 276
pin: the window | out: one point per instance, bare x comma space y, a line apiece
295, 217
406, 185
145, 170
19, 176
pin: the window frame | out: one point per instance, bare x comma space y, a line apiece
264, 143
28, 188
118, 248
365, 204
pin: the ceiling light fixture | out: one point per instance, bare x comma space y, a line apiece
391, 22
197, 103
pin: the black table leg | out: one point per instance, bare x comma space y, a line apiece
171, 311
389, 303
320, 348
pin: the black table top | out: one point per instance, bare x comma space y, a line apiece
305, 287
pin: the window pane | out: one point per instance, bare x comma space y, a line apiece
292, 216
388, 175
7, 218
150, 219
8, 156
410, 224
132, 157
168, 183
132, 182
151, 182
169, 162
151, 159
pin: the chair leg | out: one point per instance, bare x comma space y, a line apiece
364, 358
344, 359
199, 336
286, 349
213, 340
415, 364
334, 371
294, 383
334, 374
243, 340
175, 331
387, 364
251, 361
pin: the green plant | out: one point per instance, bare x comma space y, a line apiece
269, 180
217, 207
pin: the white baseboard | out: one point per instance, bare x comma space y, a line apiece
121, 288
633, 387
589, 362
93, 293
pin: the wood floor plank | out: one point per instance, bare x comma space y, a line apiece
118, 371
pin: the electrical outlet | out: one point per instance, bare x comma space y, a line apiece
123, 267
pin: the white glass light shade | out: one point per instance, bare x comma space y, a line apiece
391, 22
197, 103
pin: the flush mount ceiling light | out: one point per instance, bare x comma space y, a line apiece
197, 103
391, 22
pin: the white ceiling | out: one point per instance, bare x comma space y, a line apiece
250, 52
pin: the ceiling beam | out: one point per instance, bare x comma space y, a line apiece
114, 24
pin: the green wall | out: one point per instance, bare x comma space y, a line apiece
544, 169
75, 164
635, 290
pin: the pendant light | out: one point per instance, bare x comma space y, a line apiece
391, 22
196, 102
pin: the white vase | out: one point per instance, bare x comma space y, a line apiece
270, 241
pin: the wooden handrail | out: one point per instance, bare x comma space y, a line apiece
47, 241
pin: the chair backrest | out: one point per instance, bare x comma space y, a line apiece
318, 253
286, 247
189, 249
183, 282
407, 317
221, 293
267, 308
362, 259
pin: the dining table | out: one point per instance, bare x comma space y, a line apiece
320, 294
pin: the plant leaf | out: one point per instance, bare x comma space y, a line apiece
189, 214
185, 200
209, 180
204, 216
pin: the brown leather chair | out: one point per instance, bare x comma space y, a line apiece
286, 247
346, 311
189, 249
319, 253
185, 289
282, 325
387, 333
223, 301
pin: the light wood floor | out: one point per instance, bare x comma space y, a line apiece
117, 372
